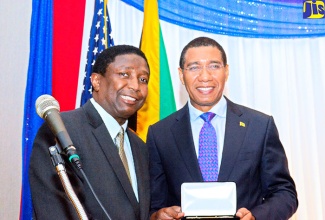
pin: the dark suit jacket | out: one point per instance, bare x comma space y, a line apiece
253, 157
102, 165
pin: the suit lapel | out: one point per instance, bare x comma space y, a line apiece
184, 141
111, 152
236, 127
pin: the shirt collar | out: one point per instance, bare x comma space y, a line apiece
111, 124
220, 109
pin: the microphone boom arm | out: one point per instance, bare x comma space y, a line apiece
58, 162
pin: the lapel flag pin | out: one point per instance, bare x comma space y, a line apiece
242, 124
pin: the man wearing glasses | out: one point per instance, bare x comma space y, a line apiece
213, 139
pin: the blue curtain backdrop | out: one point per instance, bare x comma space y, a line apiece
39, 82
254, 19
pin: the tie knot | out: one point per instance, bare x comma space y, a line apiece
121, 132
119, 137
207, 116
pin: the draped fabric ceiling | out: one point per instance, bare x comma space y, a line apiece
254, 19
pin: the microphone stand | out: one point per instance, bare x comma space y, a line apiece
58, 163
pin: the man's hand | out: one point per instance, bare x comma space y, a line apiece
245, 214
173, 212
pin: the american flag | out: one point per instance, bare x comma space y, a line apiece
99, 40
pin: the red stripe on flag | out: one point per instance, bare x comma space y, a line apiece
67, 40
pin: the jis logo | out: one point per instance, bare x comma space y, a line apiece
313, 9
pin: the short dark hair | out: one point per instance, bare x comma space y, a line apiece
108, 55
199, 42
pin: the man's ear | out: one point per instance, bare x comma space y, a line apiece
181, 75
227, 72
95, 81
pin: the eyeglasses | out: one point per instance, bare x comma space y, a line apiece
213, 67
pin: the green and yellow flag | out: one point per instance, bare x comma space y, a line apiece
160, 101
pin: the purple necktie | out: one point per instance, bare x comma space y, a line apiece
208, 151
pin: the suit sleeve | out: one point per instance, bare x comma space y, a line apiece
278, 188
48, 196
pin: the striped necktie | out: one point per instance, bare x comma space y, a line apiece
119, 141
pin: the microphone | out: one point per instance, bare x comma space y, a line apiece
48, 108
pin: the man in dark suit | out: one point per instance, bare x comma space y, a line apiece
120, 86
247, 147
